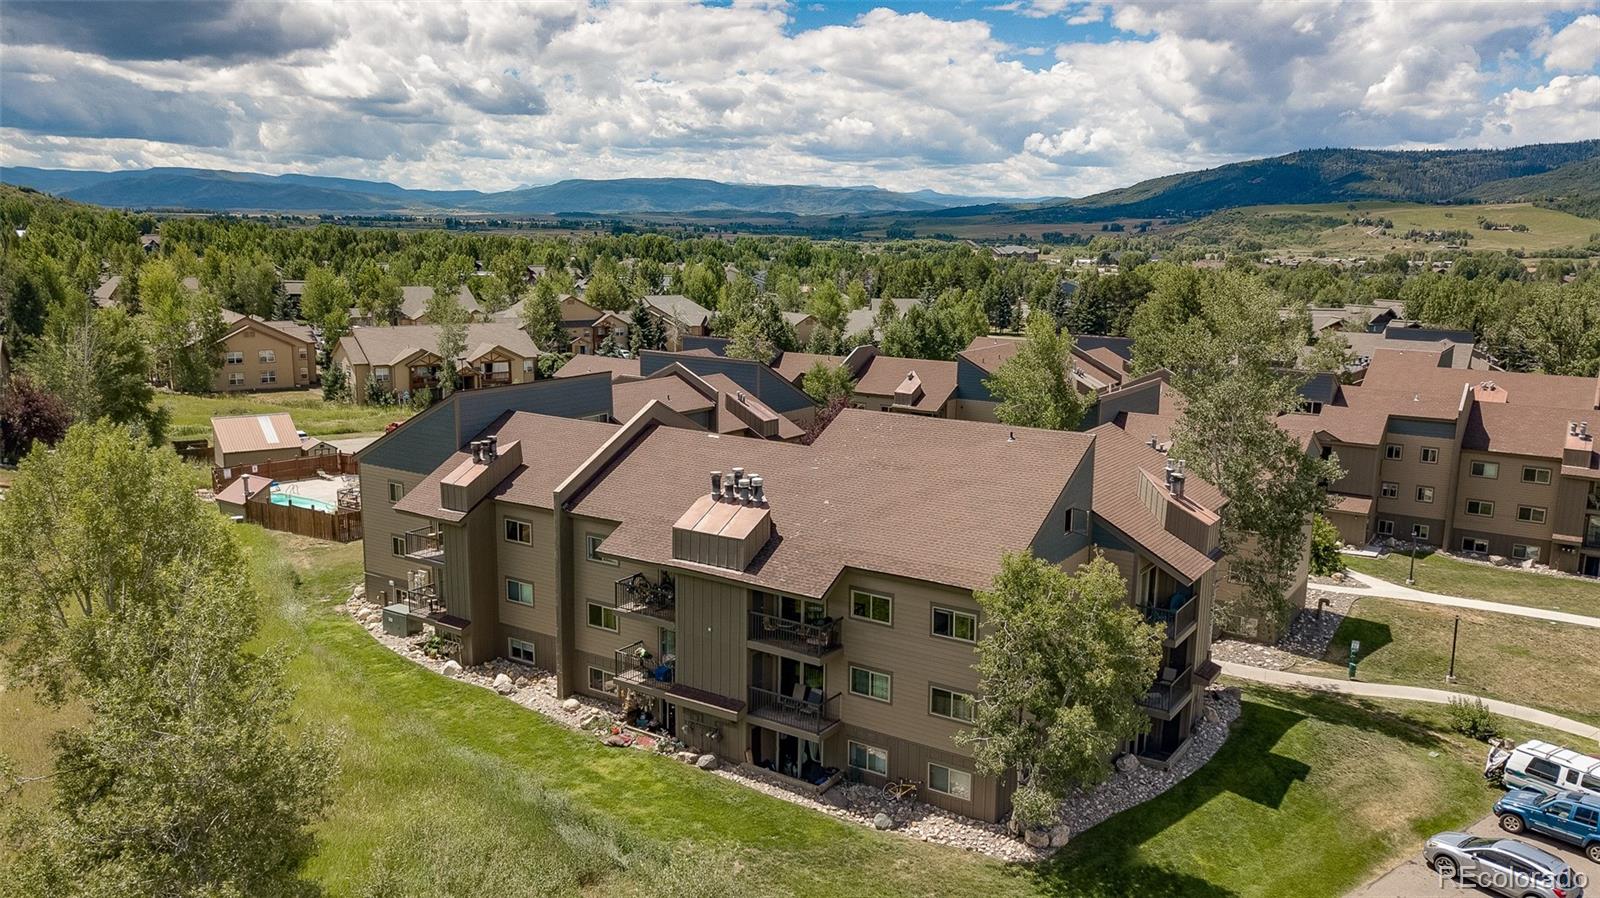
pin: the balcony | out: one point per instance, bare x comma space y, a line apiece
422, 600
814, 715
1179, 617
636, 595
634, 667
425, 544
1170, 693
815, 638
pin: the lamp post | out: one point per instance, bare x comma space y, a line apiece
1454, 633
1411, 578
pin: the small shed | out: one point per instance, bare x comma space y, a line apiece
254, 439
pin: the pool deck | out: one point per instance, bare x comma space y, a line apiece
325, 492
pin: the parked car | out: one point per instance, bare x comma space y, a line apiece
1502, 865
1569, 816
1543, 766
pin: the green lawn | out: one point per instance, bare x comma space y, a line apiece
1516, 659
1324, 227
191, 415
449, 790
1447, 576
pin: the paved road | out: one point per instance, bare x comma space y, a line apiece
1410, 693
355, 444
1383, 589
1413, 878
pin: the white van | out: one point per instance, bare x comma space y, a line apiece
1551, 768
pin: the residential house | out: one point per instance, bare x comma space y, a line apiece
265, 355
860, 321
804, 324
404, 360
804, 609
714, 402
916, 386
1099, 364
1015, 251
1460, 346
414, 305
109, 293
679, 316
756, 380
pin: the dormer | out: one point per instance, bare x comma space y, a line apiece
909, 391
726, 527
473, 478
1579, 449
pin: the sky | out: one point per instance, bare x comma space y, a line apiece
975, 97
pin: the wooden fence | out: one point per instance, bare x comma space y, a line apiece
341, 526
303, 468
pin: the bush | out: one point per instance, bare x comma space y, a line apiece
1471, 718
1325, 545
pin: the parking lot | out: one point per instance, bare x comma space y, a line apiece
1413, 878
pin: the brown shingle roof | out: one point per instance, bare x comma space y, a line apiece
794, 365
393, 345
932, 500
1120, 463
628, 397
589, 364
885, 374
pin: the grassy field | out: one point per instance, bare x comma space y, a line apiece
1516, 659
1300, 228
191, 415
1310, 796
1447, 576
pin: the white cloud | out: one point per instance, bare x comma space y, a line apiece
1575, 48
498, 95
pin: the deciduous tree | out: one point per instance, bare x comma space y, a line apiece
450, 328
1033, 387
96, 362
29, 414
824, 383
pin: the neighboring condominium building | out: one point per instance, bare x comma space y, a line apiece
806, 609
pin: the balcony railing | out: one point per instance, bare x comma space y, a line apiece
1169, 693
811, 638
636, 594
425, 544
1180, 614
423, 599
634, 665
813, 713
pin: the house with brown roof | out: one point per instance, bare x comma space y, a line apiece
265, 355
404, 360
807, 610
679, 317
1099, 364
617, 367
414, 301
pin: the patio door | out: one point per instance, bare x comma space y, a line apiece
798, 679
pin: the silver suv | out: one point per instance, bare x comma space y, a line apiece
1502, 865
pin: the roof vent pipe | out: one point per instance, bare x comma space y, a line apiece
1152, 443
1583, 428
716, 484
738, 473
744, 490
758, 488
491, 448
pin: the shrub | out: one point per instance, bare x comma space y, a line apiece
1325, 545
1471, 718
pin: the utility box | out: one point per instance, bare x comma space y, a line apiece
397, 621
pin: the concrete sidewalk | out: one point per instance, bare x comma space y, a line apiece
1383, 589
1410, 693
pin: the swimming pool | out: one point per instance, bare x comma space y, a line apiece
302, 502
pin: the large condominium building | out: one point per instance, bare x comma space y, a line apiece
806, 609
1497, 463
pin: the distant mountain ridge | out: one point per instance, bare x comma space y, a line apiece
215, 190
1562, 175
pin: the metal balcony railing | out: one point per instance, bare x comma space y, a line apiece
425, 544
812, 713
1168, 694
810, 637
1179, 615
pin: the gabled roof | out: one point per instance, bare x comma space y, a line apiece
792, 366
899, 494
1121, 462
860, 320
255, 433
394, 345
414, 301
589, 364
681, 309
886, 374
671, 390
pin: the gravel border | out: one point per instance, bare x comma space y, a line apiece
1307, 639
1129, 785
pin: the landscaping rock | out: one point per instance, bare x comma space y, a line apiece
1127, 763
503, 684
883, 821
451, 668
1036, 838
616, 742
687, 757
1060, 834
706, 762
570, 704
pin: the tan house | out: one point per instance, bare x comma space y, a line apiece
265, 355
254, 439
404, 360
679, 317
414, 305
804, 609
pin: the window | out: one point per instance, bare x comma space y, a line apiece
519, 532
381, 372
527, 365
269, 377
1587, 816
600, 681
1541, 769
267, 356
302, 352
1524, 553
871, 606
869, 683
950, 781
1485, 469
602, 618
1386, 528
235, 379
1430, 455
1419, 531
1530, 514
1472, 544
235, 358
1536, 475
397, 491
1425, 494
519, 592
954, 705
591, 549
1074, 520
1480, 508
867, 759
397, 546
951, 624
1393, 451
1391, 491
519, 651
304, 374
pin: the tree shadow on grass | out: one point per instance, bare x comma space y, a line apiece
1371, 634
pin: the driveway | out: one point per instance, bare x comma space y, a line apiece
1413, 878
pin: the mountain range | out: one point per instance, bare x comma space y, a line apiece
1564, 175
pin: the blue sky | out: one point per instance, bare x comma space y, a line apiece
1006, 97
